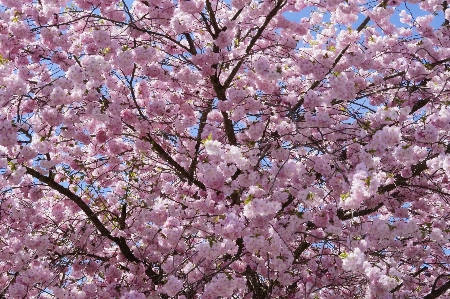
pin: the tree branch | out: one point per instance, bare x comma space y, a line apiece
123, 216
212, 18
439, 291
164, 155
300, 249
346, 215
316, 83
192, 49
201, 127
270, 16
120, 241
158, 148
229, 128
414, 275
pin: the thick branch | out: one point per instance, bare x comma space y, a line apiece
236, 15
120, 241
259, 289
300, 249
221, 89
198, 140
401, 181
286, 204
212, 18
192, 49
345, 215
419, 104
165, 156
229, 128
439, 291
123, 217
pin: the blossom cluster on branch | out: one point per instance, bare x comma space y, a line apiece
224, 149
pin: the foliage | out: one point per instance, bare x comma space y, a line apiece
206, 149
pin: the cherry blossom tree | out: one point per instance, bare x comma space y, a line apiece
224, 149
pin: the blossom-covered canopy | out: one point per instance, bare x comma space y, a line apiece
224, 149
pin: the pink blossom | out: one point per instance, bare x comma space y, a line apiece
224, 149
172, 286
353, 260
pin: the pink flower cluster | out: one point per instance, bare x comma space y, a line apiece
224, 149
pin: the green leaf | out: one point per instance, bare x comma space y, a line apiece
336, 101
399, 101
207, 138
217, 218
366, 125
391, 227
12, 166
344, 196
331, 48
3, 60
211, 240
105, 51
248, 199
428, 66
367, 181
343, 255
